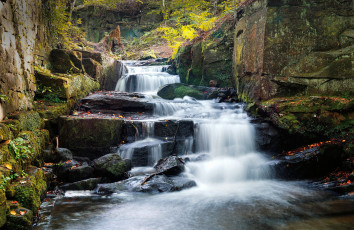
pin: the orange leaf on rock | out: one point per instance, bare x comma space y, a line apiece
22, 213
12, 212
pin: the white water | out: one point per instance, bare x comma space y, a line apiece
145, 79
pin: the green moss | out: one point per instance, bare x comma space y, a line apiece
19, 222
3, 208
29, 121
321, 117
28, 191
14, 126
182, 91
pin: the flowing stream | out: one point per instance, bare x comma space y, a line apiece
235, 189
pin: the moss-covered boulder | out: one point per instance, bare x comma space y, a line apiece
89, 137
30, 189
111, 166
172, 91
66, 61
54, 87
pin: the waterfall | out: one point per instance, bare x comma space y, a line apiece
145, 78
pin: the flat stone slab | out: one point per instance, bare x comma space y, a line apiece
112, 101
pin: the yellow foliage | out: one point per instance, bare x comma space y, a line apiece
191, 17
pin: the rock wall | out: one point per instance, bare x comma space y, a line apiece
209, 58
22, 37
290, 47
98, 21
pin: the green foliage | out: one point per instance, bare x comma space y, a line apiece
21, 148
7, 179
188, 18
3, 98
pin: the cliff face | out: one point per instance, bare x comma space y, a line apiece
98, 21
288, 47
22, 36
209, 58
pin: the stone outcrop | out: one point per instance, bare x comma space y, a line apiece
287, 48
208, 59
22, 39
114, 102
98, 21
89, 137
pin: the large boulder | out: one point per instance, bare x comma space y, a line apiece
89, 137
66, 61
53, 86
178, 90
112, 166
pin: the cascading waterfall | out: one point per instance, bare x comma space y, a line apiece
145, 79
234, 189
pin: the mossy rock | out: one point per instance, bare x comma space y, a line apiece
313, 117
111, 166
65, 61
64, 86
3, 208
89, 137
19, 219
178, 90
30, 190
36, 142
14, 126
28, 121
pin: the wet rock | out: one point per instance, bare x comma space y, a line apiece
171, 165
116, 101
140, 152
111, 166
181, 183
195, 157
88, 184
174, 129
155, 184
72, 171
267, 136
308, 164
63, 154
